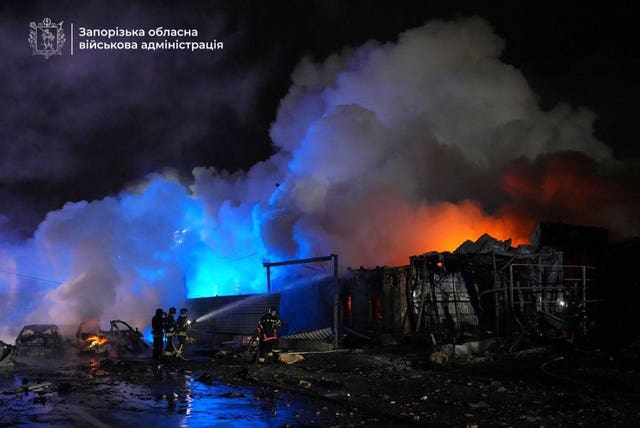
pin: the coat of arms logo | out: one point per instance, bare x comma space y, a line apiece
46, 38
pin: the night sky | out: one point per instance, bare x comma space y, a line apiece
84, 127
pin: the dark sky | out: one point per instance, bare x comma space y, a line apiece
83, 127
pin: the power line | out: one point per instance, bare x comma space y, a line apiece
30, 277
240, 258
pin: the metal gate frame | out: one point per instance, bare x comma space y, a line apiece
336, 296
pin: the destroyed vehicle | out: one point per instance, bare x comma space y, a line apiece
128, 338
119, 339
39, 340
7, 352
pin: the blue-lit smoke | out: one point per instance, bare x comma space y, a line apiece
152, 246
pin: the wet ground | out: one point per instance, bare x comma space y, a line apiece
124, 393
377, 387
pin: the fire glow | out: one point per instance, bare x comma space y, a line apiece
96, 342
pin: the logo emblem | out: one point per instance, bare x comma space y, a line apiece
46, 38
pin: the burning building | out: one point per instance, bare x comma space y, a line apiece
483, 288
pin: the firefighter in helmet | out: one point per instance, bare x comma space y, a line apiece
267, 332
156, 331
169, 324
182, 325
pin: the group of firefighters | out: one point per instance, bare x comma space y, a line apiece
165, 325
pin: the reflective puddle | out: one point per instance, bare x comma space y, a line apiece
167, 400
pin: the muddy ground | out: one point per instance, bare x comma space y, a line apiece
386, 387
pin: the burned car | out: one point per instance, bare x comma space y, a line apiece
39, 340
120, 339
7, 352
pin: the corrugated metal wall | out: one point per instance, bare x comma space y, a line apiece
232, 315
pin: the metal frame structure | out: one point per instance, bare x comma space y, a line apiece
336, 294
525, 290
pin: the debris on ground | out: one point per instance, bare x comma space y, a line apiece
396, 385
290, 358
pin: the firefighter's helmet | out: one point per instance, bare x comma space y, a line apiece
183, 311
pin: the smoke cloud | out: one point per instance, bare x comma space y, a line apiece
69, 122
384, 151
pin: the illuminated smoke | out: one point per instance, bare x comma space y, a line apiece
384, 151
400, 147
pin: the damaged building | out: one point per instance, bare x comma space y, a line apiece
487, 288
484, 288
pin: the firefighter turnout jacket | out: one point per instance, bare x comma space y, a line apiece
169, 325
157, 324
268, 327
182, 325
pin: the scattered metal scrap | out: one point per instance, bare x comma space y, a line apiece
316, 340
322, 334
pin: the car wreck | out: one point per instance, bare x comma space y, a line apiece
7, 356
120, 339
36, 341
39, 340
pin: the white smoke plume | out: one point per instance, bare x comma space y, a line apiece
387, 135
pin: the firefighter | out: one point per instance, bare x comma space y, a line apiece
157, 325
182, 325
267, 332
169, 324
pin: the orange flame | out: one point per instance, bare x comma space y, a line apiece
95, 341
438, 227
565, 188
449, 225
